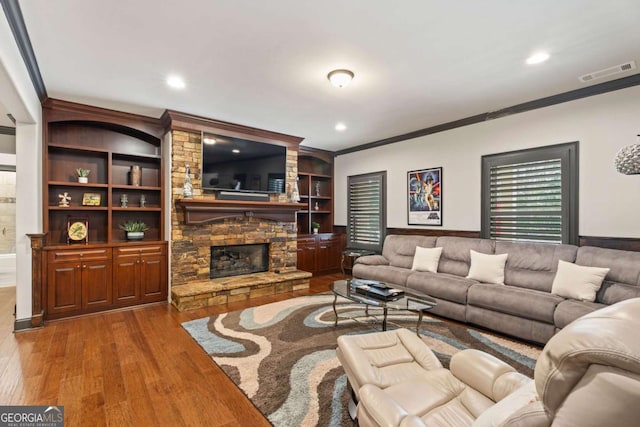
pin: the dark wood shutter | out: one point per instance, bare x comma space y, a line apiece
366, 211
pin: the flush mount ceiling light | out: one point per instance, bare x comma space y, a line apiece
537, 58
176, 82
340, 127
340, 78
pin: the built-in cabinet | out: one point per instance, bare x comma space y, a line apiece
318, 253
99, 269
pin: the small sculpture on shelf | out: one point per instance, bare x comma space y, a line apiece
124, 199
65, 198
83, 175
318, 188
295, 194
316, 206
187, 187
143, 201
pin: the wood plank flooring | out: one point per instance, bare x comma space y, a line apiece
126, 368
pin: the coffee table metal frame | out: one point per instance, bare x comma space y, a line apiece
412, 301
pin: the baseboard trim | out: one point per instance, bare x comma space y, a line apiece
22, 325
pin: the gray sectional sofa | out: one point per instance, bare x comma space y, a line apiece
524, 306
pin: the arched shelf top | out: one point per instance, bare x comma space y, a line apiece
114, 127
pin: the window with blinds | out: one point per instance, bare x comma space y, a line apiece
531, 195
366, 211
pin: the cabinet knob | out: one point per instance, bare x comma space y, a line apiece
84, 266
78, 266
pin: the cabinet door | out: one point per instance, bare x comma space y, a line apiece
126, 279
329, 254
96, 284
153, 277
306, 255
64, 287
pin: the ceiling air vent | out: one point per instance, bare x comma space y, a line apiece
627, 66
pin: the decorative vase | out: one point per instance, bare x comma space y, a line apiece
136, 175
135, 235
83, 179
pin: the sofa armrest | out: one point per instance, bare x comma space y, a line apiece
372, 260
381, 408
486, 374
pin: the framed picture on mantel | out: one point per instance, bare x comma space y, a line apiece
424, 196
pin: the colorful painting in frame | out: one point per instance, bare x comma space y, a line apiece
424, 188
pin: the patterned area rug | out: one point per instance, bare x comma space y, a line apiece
282, 355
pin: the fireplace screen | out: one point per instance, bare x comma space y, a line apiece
235, 260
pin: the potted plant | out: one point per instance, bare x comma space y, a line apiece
134, 229
315, 226
83, 175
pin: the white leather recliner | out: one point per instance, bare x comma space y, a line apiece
587, 375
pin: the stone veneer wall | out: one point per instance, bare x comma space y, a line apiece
191, 244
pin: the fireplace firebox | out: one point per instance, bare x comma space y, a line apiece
235, 260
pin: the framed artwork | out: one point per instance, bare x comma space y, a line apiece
91, 199
77, 230
424, 196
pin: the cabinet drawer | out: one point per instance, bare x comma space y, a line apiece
139, 250
79, 254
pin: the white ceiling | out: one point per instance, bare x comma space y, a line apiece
417, 63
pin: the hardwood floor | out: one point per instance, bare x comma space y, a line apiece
126, 368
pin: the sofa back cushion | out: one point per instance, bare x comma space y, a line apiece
456, 253
623, 280
400, 249
533, 265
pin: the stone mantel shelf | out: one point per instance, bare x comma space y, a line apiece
201, 211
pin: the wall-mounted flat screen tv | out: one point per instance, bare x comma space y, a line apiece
235, 164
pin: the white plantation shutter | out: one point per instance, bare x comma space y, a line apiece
366, 211
531, 195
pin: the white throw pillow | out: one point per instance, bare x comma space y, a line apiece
577, 281
426, 259
487, 268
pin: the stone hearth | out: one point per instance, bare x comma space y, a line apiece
229, 289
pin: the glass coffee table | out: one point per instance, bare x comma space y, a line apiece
412, 301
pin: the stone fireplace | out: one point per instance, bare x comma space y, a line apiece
194, 283
235, 260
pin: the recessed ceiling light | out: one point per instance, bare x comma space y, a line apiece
537, 58
209, 141
340, 127
176, 82
235, 150
340, 78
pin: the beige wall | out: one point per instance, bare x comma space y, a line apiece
609, 201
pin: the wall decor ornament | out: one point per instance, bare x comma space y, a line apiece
187, 187
424, 192
627, 160
136, 175
65, 198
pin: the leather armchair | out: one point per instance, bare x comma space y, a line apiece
587, 375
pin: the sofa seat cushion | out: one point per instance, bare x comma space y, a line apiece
527, 303
385, 358
569, 310
441, 285
384, 273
